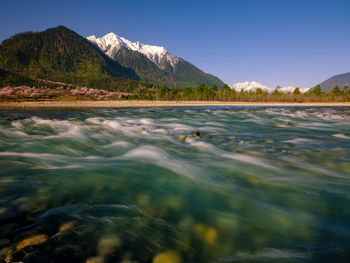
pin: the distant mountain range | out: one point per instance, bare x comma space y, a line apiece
340, 80
253, 86
60, 54
152, 63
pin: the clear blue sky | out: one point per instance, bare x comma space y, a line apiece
285, 42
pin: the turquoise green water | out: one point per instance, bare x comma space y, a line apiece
121, 186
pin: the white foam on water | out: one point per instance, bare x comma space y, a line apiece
341, 135
33, 155
235, 156
331, 115
20, 133
146, 121
95, 120
163, 159
148, 152
53, 167
74, 131
213, 129
201, 144
215, 124
249, 159
315, 126
160, 131
179, 127
299, 141
17, 124
62, 128
118, 144
119, 125
114, 124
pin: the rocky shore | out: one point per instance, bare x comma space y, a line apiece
142, 103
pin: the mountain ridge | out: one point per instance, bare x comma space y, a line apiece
339, 80
171, 70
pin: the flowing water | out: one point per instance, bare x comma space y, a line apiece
260, 184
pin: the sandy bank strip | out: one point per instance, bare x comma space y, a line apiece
153, 104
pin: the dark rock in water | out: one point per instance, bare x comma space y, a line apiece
14, 118
4, 242
197, 134
5, 254
285, 123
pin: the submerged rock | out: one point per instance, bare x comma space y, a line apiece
33, 240
95, 260
6, 254
197, 134
207, 233
107, 245
167, 257
2, 211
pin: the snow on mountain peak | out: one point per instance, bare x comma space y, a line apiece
291, 89
250, 86
253, 86
111, 43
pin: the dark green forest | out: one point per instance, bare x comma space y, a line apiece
59, 54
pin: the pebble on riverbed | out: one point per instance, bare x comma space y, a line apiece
207, 233
181, 137
2, 211
167, 257
107, 245
95, 260
31, 241
6, 254
66, 226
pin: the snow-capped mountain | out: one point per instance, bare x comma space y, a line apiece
250, 86
253, 86
111, 44
152, 63
291, 89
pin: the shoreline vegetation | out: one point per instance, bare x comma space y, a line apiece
153, 104
59, 91
41, 93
